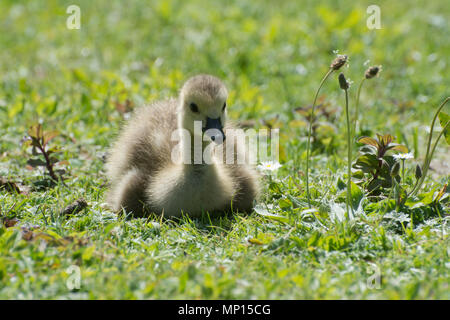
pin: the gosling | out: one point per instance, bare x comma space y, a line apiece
154, 165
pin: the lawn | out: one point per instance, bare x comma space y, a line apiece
79, 84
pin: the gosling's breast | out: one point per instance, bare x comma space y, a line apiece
191, 189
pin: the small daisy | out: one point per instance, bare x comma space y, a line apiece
403, 156
269, 166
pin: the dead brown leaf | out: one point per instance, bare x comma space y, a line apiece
8, 223
9, 186
125, 107
27, 234
75, 207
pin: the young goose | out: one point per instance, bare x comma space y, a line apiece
143, 175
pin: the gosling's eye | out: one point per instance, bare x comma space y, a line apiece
224, 106
194, 107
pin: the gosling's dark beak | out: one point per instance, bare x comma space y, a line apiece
214, 130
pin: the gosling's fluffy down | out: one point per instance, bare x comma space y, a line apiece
142, 176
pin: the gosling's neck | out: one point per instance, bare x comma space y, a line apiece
193, 149
196, 153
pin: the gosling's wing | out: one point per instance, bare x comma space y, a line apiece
144, 141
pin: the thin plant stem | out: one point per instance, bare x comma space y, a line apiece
427, 161
357, 104
410, 193
397, 194
388, 201
403, 170
431, 156
48, 163
349, 160
308, 146
437, 140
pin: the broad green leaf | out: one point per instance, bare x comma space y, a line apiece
373, 185
312, 210
387, 139
35, 131
356, 194
366, 162
369, 149
423, 199
296, 202
398, 147
49, 135
36, 162
369, 141
386, 182
341, 184
358, 174
380, 138
285, 203
259, 209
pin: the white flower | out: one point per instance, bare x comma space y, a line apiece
269, 166
403, 156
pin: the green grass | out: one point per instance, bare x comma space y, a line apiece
272, 58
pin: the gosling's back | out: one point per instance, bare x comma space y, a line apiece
143, 147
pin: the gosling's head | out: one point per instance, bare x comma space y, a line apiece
204, 98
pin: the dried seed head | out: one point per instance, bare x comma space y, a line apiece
395, 169
418, 172
343, 82
340, 60
372, 72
